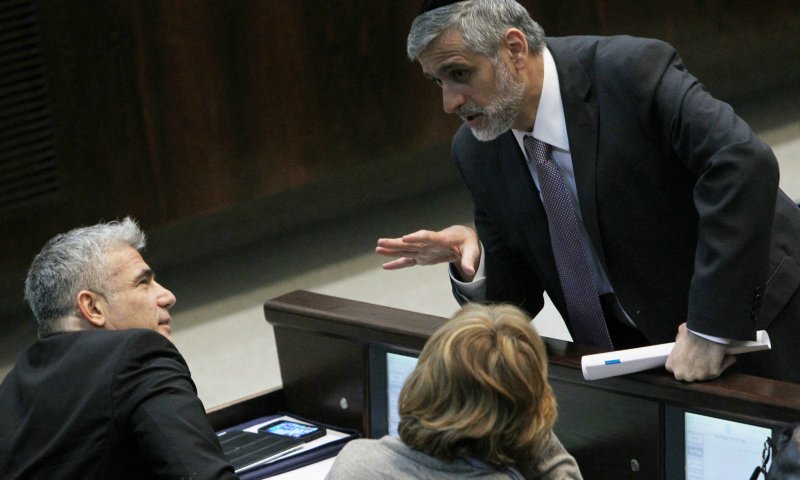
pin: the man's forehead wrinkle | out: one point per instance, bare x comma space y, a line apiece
438, 64
438, 58
126, 261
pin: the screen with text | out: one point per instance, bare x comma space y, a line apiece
398, 367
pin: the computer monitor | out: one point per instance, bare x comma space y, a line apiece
388, 369
703, 445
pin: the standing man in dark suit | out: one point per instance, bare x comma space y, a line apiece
103, 393
603, 173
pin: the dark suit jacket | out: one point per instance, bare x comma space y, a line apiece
106, 405
678, 196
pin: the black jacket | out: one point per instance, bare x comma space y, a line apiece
679, 198
105, 405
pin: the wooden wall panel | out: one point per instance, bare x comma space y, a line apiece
174, 111
735, 47
252, 98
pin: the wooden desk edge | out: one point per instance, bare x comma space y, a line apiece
308, 310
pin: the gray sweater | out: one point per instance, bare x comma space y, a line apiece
390, 458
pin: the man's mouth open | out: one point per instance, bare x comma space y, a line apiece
472, 118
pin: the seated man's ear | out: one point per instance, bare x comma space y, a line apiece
92, 308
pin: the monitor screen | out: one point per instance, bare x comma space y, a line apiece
707, 446
388, 371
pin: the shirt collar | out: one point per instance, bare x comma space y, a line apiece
550, 125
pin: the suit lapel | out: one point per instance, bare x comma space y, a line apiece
582, 126
523, 196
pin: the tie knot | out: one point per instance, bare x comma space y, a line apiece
538, 151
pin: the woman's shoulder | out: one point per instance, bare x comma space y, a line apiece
365, 458
364, 448
390, 458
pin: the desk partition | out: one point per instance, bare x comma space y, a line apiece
616, 428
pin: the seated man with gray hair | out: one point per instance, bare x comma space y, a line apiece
103, 393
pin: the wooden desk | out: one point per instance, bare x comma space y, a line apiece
323, 348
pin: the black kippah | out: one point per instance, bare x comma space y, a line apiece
428, 5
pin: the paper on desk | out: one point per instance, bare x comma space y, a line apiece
621, 362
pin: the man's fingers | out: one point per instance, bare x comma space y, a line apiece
392, 243
391, 252
421, 236
694, 358
468, 265
399, 246
399, 263
426, 247
470, 257
727, 362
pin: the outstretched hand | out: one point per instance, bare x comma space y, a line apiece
695, 358
457, 244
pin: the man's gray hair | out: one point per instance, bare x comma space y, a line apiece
71, 262
482, 23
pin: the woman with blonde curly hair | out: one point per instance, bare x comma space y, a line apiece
478, 404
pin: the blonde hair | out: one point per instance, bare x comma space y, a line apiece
480, 389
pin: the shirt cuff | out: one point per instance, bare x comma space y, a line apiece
720, 340
474, 290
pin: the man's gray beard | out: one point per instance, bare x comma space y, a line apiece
503, 110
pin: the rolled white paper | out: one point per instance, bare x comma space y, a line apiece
621, 362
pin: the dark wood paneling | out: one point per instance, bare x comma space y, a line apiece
89, 63
168, 111
251, 98
175, 110
734, 47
